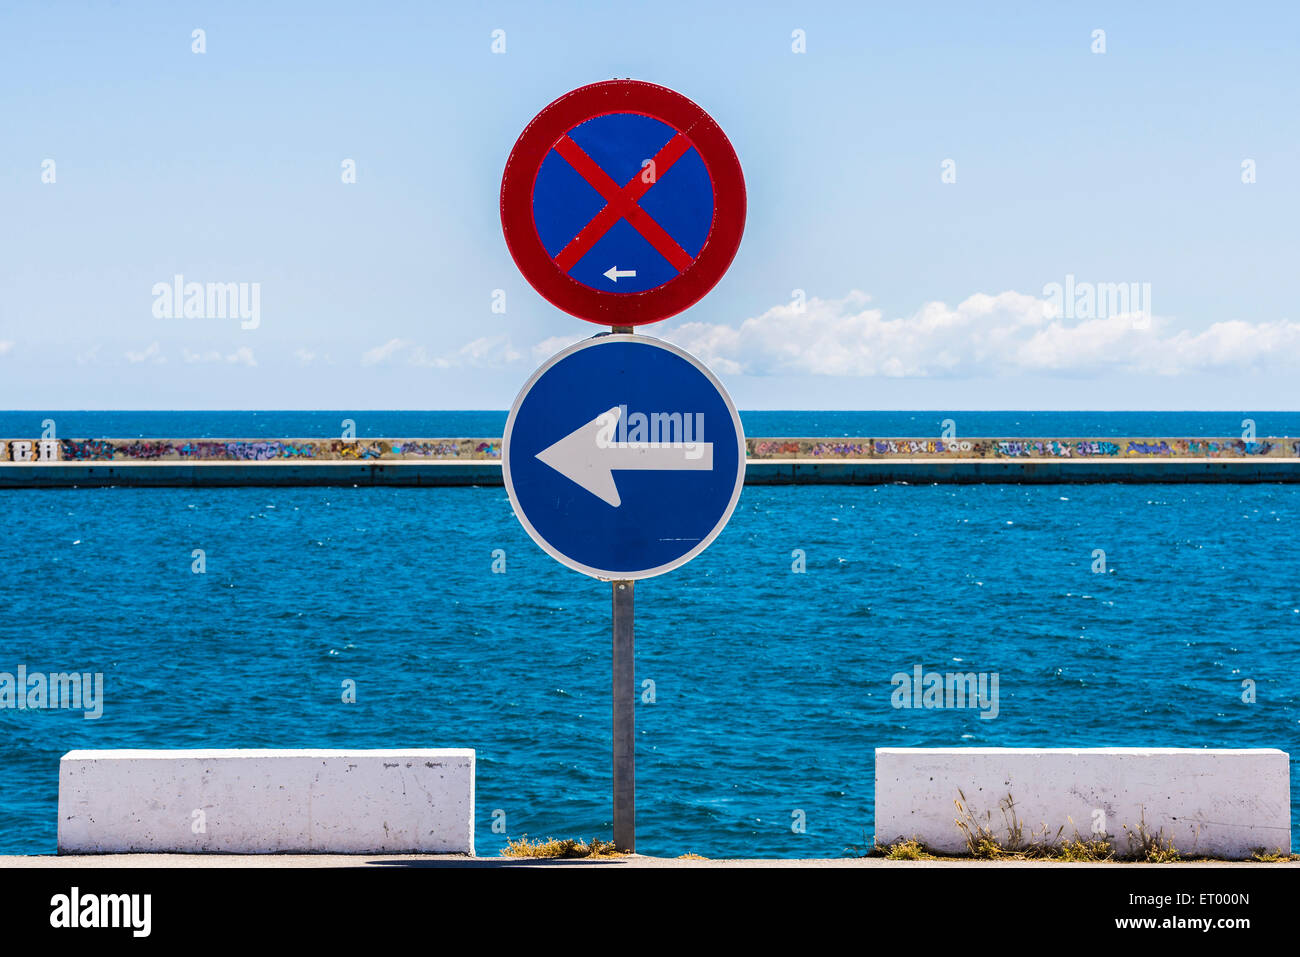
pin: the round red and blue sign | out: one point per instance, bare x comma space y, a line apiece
623, 203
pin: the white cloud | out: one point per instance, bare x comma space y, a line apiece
152, 354
1235, 344
383, 353
486, 351
241, 356
5, 345
549, 347
984, 335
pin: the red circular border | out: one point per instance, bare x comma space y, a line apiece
609, 308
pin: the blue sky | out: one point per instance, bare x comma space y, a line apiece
1115, 167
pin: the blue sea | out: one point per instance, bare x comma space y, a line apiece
771, 687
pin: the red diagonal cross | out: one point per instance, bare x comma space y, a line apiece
621, 203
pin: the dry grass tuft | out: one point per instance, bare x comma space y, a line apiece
566, 848
907, 850
1148, 847
985, 843
1272, 857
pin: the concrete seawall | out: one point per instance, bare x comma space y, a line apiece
1030, 471
760, 472
270, 473
190, 463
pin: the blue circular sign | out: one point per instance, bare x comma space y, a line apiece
623, 457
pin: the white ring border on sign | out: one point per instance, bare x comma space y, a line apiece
601, 573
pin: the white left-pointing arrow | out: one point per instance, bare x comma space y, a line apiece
613, 273
586, 458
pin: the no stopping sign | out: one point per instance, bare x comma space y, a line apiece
623, 203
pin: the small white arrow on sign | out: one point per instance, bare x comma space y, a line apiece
613, 273
584, 458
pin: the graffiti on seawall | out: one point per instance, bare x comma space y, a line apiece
242, 450
37, 451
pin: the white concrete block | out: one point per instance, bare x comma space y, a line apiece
1218, 803
267, 801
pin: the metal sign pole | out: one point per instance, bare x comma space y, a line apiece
624, 720
624, 690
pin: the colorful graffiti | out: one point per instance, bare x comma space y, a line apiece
1088, 447
1148, 448
84, 450
839, 450
426, 449
1232, 448
1036, 448
920, 446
